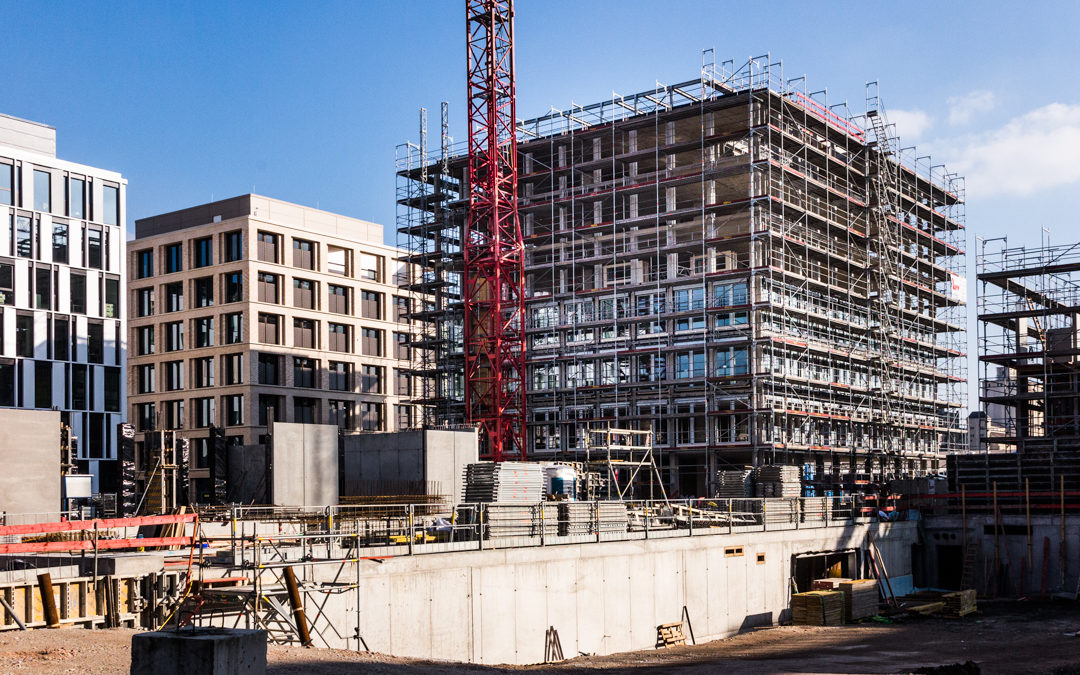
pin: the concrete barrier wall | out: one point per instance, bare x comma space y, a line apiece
495, 607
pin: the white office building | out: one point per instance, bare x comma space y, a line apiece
62, 275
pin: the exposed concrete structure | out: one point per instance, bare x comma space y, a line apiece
399, 462
601, 598
61, 287
304, 464
30, 461
250, 309
216, 651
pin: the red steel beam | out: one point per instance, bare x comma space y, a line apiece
86, 545
100, 523
494, 281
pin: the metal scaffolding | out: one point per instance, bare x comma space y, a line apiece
748, 272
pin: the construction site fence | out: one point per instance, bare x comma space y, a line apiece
262, 537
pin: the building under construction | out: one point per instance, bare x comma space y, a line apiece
752, 274
1029, 357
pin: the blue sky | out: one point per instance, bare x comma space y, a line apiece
306, 101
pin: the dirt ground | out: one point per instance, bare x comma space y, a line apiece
1004, 637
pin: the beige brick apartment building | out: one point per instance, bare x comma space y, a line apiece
251, 309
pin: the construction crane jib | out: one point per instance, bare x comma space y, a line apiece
494, 273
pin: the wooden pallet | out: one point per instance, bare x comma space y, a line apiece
670, 635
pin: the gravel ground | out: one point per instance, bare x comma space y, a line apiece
1004, 637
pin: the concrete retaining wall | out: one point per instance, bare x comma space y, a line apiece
496, 606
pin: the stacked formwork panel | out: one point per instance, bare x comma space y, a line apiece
1029, 356
711, 261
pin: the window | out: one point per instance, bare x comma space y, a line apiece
402, 309
305, 410
60, 242
78, 293
174, 336
232, 369
689, 364
7, 377
269, 407
401, 346
7, 184
269, 369
733, 551
204, 291
402, 382
268, 287
234, 248
94, 248
144, 415
174, 297
144, 264
370, 267
145, 379
370, 305
174, 258
303, 254
234, 286
371, 416
371, 380
339, 338
268, 247
144, 302
204, 331
112, 389
760, 558
145, 339
111, 309
24, 240
204, 412
304, 333
403, 416
731, 361
233, 325
340, 413
76, 197
61, 338
303, 293
174, 375
79, 386
270, 329
110, 205
202, 372
43, 384
42, 287
203, 252
371, 342
337, 260
304, 372
234, 409
338, 298
7, 284
42, 190
339, 373
95, 342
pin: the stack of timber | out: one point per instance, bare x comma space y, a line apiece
960, 603
829, 584
817, 608
735, 484
512, 520
504, 482
860, 598
778, 480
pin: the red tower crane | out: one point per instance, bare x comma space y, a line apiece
494, 272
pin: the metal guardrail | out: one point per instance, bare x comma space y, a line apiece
261, 536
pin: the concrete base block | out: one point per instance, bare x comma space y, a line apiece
207, 651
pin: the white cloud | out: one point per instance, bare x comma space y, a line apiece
1033, 152
963, 108
910, 124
